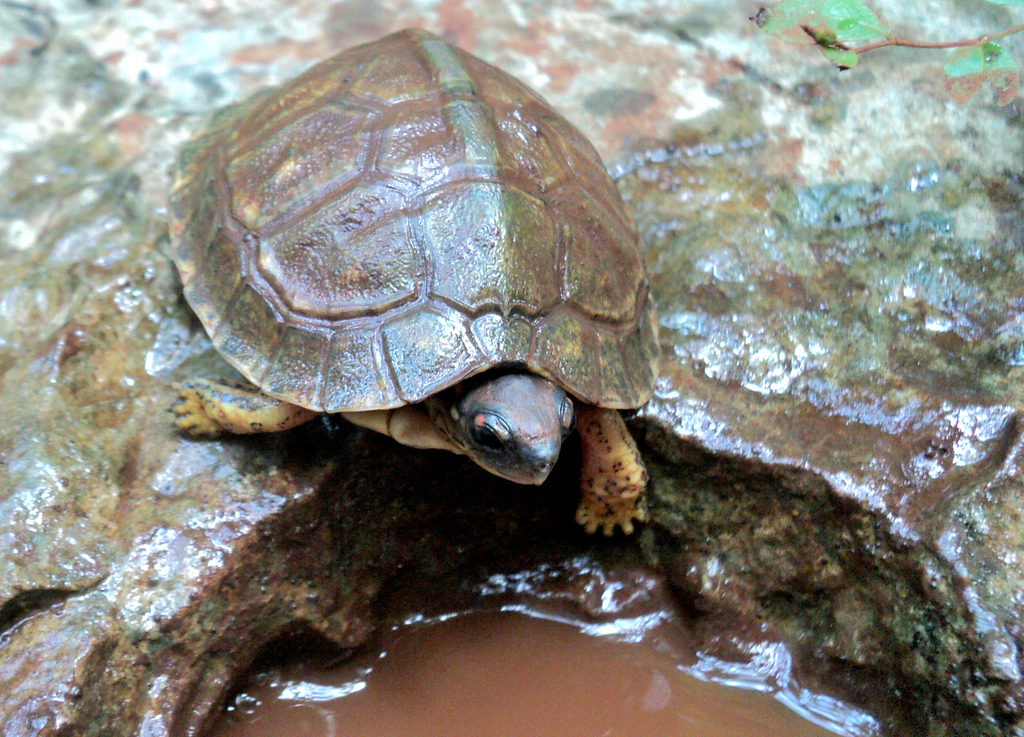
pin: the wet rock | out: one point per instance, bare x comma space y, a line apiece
834, 448
850, 467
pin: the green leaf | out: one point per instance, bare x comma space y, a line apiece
970, 67
842, 59
827, 23
1006, 2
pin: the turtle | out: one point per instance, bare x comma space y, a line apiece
411, 238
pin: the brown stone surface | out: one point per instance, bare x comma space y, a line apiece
845, 363
835, 445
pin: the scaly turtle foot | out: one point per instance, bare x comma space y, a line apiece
208, 408
191, 414
612, 474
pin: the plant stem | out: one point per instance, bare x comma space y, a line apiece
927, 44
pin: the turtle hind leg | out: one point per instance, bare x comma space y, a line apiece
612, 474
208, 408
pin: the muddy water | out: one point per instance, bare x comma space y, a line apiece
503, 674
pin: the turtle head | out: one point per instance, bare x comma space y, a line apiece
512, 425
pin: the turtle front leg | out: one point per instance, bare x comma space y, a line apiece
208, 408
410, 425
612, 474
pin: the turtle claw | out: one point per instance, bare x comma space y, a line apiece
607, 513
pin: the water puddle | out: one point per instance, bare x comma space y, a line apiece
513, 672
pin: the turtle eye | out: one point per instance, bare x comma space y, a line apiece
567, 415
490, 432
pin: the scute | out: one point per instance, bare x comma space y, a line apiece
473, 127
528, 153
297, 368
595, 240
355, 377
418, 144
493, 246
428, 350
210, 290
586, 164
400, 217
249, 333
251, 121
567, 351
293, 168
615, 384
193, 232
504, 339
500, 87
393, 73
354, 256
629, 362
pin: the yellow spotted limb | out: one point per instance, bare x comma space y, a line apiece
612, 476
208, 408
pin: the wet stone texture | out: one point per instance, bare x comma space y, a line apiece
835, 445
845, 364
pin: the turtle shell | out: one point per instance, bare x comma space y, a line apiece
400, 217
